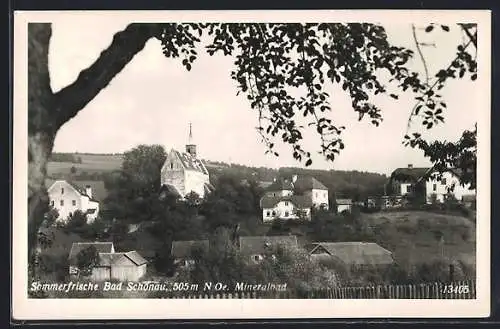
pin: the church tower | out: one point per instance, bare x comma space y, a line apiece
190, 147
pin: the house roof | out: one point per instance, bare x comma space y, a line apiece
409, 174
356, 253
108, 259
101, 247
343, 201
299, 201
191, 163
280, 184
99, 192
183, 249
307, 183
253, 245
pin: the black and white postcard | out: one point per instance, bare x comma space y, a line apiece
260, 164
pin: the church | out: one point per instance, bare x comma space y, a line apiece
183, 173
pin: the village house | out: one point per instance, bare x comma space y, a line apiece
418, 183
293, 198
111, 265
256, 248
352, 255
183, 173
343, 205
67, 197
182, 251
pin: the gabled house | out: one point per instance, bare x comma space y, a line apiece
70, 196
419, 184
293, 198
182, 251
351, 254
184, 173
256, 248
111, 265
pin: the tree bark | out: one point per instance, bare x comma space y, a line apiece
47, 111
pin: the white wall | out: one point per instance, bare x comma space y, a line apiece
62, 191
194, 181
404, 188
441, 189
283, 210
319, 197
342, 207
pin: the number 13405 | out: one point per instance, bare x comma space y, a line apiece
455, 289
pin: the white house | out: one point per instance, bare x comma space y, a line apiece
183, 173
67, 197
411, 181
293, 198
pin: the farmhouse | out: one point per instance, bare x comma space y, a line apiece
256, 248
182, 251
293, 198
351, 254
67, 197
183, 173
419, 183
111, 265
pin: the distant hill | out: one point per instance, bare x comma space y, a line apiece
355, 184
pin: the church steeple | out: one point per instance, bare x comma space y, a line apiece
190, 146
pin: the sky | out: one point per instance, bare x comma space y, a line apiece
153, 100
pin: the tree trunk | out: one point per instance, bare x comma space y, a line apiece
47, 111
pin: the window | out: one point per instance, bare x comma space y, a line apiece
62, 203
286, 203
73, 203
52, 203
286, 214
256, 258
268, 213
274, 213
408, 188
62, 190
443, 181
171, 165
434, 187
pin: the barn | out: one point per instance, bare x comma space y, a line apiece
111, 265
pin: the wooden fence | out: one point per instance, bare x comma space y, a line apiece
434, 290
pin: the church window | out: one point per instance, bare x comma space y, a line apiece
62, 190
171, 165
62, 203
73, 202
286, 203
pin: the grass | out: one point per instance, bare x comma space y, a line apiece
414, 236
91, 163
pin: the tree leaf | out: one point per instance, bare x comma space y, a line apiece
445, 28
429, 28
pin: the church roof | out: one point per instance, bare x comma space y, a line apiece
191, 163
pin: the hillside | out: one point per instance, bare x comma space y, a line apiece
355, 184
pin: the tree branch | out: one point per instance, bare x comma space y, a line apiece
417, 44
125, 45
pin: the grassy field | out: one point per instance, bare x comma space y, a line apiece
91, 163
415, 236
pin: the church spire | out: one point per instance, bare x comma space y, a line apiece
190, 138
190, 147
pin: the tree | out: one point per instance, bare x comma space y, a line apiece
272, 63
86, 260
142, 165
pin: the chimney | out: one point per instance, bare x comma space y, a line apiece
410, 166
88, 191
